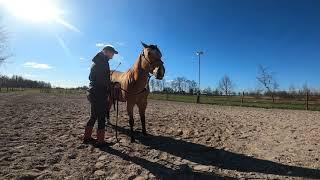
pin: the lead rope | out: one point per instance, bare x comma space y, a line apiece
116, 97
117, 117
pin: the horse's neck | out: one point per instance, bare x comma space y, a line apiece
139, 72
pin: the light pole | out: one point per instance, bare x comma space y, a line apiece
199, 53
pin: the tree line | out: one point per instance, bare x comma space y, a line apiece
179, 85
268, 86
20, 82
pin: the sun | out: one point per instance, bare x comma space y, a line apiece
38, 11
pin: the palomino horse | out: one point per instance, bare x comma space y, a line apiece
134, 83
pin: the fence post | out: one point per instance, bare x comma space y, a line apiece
307, 100
242, 98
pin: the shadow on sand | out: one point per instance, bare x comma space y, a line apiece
161, 171
205, 155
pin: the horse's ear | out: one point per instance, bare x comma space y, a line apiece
144, 45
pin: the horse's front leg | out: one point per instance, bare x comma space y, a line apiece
142, 111
130, 106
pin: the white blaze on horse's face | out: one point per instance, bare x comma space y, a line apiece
157, 72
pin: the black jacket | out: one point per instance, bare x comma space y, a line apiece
99, 76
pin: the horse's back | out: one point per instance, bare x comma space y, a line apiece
116, 76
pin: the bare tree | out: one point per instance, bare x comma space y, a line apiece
178, 84
158, 85
305, 88
163, 82
216, 92
152, 84
208, 91
226, 85
192, 86
292, 90
174, 85
181, 83
267, 80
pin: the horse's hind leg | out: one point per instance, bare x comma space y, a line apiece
131, 120
142, 111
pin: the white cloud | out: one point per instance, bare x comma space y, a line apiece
100, 44
81, 58
36, 65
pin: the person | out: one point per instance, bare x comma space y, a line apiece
98, 92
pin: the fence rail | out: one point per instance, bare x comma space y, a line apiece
307, 102
44, 90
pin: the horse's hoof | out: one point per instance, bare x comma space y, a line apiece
89, 141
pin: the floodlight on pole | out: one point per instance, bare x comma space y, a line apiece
199, 53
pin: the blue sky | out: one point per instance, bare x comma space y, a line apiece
236, 36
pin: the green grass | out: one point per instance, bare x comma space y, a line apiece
261, 102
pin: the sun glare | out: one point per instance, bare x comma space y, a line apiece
37, 11
33, 10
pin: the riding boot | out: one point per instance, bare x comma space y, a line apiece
100, 138
87, 135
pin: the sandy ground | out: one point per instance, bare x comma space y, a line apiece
41, 139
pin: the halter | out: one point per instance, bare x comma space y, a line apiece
149, 62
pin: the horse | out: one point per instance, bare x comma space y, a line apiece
133, 84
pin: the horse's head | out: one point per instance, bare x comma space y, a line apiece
153, 56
